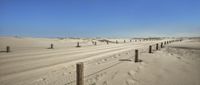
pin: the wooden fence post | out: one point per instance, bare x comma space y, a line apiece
157, 46
150, 49
51, 46
124, 41
79, 73
7, 49
116, 42
161, 45
136, 56
107, 42
78, 45
95, 43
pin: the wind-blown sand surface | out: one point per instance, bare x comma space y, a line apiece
31, 63
177, 64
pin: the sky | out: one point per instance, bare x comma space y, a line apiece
100, 18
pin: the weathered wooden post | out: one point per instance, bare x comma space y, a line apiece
165, 43
78, 45
107, 42
161, 45
95, 43
136, 56
130, 40
79, 73
7, 49
116, 42
124, 41
157, 46
51, 46
150, 49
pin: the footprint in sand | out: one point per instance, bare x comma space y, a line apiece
142, 64
41, 79
91, 81
132, 74
104, 60
113, 76
178, 58
114, 57
65, 68
105, 83
130, 82
97, 77
98, 63
102, 74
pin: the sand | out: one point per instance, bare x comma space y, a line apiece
31, 63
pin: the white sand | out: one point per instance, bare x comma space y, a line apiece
31, 63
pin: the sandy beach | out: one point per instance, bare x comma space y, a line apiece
30, 62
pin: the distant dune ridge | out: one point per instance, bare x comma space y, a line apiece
30, 62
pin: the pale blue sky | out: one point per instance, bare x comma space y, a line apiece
99, 18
